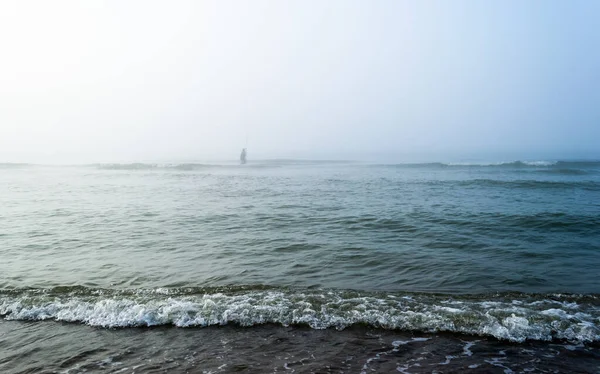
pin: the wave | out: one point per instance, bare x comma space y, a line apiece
544, 165
536, 164
509, 163
418, 221
132, 166
512, 316
547, 221
590, 185
198, 166
502, 164
147, 166
566, 167
563, 171
14, 165
522, 183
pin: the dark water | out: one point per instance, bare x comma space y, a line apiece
288, 266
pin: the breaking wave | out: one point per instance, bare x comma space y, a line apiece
509, 163
144, 166
504, 164
231, 164
11, 165
514, 317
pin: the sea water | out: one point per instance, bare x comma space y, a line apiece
303, 266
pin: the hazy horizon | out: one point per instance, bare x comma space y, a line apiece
134, 81
408, 158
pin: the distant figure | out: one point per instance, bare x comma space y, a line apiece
243, 156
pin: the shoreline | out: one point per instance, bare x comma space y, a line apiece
53, 346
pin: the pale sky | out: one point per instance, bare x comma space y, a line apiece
92, 81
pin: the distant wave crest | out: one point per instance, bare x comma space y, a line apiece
199, 166
510, 163
503, 164
146, 166
560, 167
11, 165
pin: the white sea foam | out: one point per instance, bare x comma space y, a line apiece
503, 163
448, 359
397, 343
533, 320
499, 362
450, 310
467, 348
539, 163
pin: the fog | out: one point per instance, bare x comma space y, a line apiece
92, 81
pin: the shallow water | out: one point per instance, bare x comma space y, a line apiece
505, 251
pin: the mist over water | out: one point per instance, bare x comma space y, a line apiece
149, 81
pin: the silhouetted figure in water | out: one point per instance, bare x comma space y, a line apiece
243, 156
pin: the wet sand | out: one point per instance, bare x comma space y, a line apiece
53, 347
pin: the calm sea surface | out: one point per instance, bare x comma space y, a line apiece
281, 266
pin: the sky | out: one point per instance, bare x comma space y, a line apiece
94, 81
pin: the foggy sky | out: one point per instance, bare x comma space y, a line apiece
91, 81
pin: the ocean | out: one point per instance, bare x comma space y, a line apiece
294, 266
